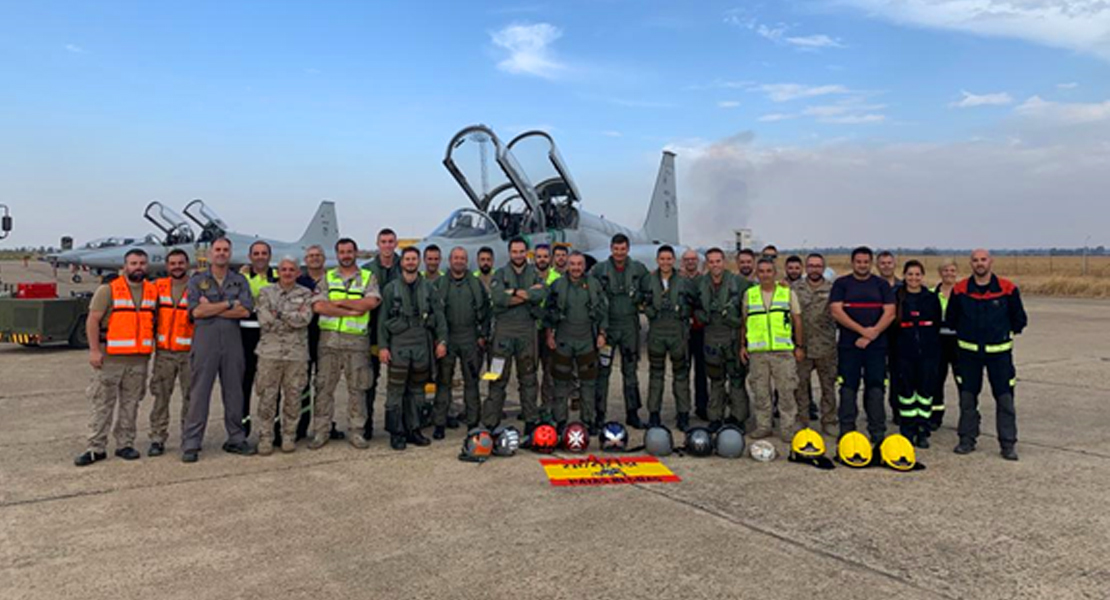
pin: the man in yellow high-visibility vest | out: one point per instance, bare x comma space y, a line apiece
772, 343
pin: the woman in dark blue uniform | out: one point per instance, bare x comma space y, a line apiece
918, 331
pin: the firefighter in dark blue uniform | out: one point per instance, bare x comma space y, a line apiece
986, 311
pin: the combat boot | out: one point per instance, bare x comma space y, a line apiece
265, 447
128, 453
966, 446
632, 420
417, 437
654, 420
440, 431
1009, 452
87, 458
358, 441
288, 445
393, 424
156, 449
318, 441
682, 423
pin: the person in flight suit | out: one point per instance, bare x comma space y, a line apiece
620, 278
719, 296
412, 334
218, 299
467, 312
577, 318
667, 306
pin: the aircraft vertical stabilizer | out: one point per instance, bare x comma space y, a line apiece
323, 229
661, 224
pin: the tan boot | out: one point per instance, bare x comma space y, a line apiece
287, 444
358, 441
265, 447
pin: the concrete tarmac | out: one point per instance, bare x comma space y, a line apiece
343, 523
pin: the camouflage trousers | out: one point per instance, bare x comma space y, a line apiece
781, 369
333, 364
826, 377
115, 385
168, 368
283, 379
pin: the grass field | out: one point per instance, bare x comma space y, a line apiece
1039, 275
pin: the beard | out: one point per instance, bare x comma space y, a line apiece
177, 274
486, 269
136, 276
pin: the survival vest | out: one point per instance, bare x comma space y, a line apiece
175, 331
130, 327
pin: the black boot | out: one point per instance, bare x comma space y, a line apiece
714, 426
683, 422
416, 437
335, 434
440, 432
452, 422
654, 420
88, 458
395, 427
632, 420
529, 428
702, 413
1009, 453
966, 446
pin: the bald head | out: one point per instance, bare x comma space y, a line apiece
981, 263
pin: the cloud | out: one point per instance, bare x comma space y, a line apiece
529, 49
1079, 25
785, 92
972, 100
74, 48
775, 117
1040, 185
728, 104
1064, 112
778, 33
1067, 86
814, 42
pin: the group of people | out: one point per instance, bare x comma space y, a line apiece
286, 336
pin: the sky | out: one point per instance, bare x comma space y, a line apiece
948, 123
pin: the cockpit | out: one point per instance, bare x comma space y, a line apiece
212, 227
501, 188
466, 223
172, 225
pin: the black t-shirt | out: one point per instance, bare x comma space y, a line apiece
863, 302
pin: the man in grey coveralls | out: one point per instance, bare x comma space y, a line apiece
218, 299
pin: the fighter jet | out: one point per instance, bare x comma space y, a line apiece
75, 256
177, 234
547, 211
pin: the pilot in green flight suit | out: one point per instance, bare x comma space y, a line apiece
412, 334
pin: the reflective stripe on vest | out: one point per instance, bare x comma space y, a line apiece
988, 348
769, 329
175, 331
131, 329
338, 290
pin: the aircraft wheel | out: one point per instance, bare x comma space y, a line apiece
79, 338
76, 278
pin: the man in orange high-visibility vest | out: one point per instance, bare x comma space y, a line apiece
174, 340
121, 331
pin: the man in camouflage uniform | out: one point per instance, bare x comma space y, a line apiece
577, 319
667, 306
284, 312
467, 313
412, 334
118, 379
621, 281
812, 292
351, 295
171, 359
719, 296
771, 347
517, 294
